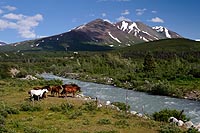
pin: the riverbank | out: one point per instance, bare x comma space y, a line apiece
163, 88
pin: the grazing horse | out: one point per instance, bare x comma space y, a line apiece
37, 94
56, 90
70, 88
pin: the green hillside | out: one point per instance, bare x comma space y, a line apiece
170, 47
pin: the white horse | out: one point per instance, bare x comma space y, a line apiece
37, 93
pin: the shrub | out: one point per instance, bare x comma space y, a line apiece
3, 113
86, 122
75, 114
55, 108
192, 130
121, 106
11, 110
162, 88
89, 106
121, 124
165, 114
66, 107
169, 129
31, 130
121, 115
104, 122
2, 120
3, 129
29, 107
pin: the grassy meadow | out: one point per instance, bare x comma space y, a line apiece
53, 114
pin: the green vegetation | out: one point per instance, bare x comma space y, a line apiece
165, 114
164, 67
53, 114
158, 69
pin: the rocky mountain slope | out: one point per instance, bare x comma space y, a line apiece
99, 35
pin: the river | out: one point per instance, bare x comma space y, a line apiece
139, 101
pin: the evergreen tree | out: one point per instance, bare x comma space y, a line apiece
149, 63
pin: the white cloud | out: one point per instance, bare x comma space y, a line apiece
121, 18
103, 14
198, 40
14, 16
140, 12
10, 8
157, 20
125, 12
153, 11
4, 24
23, 24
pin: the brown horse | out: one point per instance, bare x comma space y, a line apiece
70, 88
56, 90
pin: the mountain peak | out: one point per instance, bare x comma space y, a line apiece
101, 34
166, 32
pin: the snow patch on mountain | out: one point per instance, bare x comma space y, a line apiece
146, 40
132, 26
80, 27
107, 20
158, 28
162, 29
124, 25
116, 39
2, 43
167, 33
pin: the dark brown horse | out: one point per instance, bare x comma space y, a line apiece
70, 88
56, 90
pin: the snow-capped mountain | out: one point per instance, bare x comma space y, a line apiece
167, 33
100, 35
2, 43
104, 33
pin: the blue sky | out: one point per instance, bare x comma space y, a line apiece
29, 19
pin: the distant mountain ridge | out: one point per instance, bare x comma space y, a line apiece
2, 43
99, 35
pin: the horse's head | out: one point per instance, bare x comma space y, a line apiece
48, 87
78, 89
45, 90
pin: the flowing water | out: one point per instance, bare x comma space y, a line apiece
139, 101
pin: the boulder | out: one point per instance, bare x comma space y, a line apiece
188, 124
